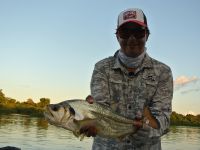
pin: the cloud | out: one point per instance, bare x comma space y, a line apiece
182, 81
191, 90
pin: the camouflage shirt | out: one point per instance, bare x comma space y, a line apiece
126, 93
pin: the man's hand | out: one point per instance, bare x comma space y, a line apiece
89, 130
142, 135
89, 99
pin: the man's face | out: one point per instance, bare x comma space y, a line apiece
132, 38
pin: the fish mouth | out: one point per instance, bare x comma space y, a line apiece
52, 119
49, 115
48, 111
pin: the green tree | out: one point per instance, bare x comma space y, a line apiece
43, 102
2, 97
30, 102
188, 120
11, 100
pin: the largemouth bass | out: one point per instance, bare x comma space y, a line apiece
74, 114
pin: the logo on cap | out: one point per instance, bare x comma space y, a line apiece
129, 15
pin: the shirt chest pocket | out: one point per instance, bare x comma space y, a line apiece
151, 84
115, 88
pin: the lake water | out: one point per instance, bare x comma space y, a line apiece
30, 133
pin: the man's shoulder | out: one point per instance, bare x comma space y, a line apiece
106, 62
158, 65
160, 68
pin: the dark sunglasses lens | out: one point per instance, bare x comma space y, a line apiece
139, 33
126, 33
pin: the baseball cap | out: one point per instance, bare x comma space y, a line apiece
132, 15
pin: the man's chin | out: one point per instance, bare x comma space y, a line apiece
133, 46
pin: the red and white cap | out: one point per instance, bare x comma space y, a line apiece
132, 15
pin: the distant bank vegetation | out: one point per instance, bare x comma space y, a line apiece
185, 120
12, 106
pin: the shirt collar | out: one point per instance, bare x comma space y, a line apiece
147, 63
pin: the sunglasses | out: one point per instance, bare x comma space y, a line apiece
125, 33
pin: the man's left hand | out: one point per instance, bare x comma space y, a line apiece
89, 99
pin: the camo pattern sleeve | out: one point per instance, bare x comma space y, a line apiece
99, 82
160, 104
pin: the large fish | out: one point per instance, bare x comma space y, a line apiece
74, 114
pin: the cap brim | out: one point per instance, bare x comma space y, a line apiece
134, 21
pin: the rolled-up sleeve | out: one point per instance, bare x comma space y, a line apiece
161, 104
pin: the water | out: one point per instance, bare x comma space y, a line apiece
182, 138
30, 133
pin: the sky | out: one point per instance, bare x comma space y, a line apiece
48, 48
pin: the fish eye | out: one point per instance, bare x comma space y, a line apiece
72, 111
55, 107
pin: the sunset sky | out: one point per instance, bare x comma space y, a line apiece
48, 48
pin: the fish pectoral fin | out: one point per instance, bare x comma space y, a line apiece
76, 133
82, 137
81, 124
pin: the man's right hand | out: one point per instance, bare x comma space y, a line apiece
88, 130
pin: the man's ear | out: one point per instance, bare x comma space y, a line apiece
117, 37
120, 40
147, 34
116, 33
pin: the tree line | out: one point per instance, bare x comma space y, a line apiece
185, 120
29, 107
9, 105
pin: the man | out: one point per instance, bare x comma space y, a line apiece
130, 80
